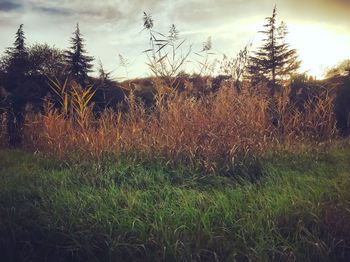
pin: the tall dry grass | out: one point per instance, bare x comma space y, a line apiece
215, 133
316, 122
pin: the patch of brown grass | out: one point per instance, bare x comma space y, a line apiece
215, 133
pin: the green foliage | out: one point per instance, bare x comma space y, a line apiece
24, 70
132, 211
74, 100
16, 61
274, 60
79, 64
103, 86
15, 68
46, 60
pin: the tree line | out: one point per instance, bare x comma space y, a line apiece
26, 71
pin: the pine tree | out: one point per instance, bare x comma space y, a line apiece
19, 42
105, 83
275, 60
79, 64
16, 67
17, 63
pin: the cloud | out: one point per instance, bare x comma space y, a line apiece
102, 11
211, 11
52, 10
8, 6
113, 26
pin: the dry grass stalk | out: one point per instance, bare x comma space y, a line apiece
215, 133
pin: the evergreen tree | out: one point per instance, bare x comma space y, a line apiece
79, 64
105, 83
274, 60
108, 93
16, 59
15, 66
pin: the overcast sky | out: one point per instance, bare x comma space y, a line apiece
319, 29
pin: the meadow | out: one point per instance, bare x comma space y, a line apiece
246, 162
142, 211
189, 179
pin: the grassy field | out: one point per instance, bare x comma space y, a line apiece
299, 209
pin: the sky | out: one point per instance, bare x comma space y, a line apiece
318, 29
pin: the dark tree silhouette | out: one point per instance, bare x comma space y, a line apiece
304, 89
274, 60
342, 101
23, 75
15, 66
104, 85
342, 108
16, 63
46, 61
79, 63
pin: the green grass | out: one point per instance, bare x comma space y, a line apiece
130, 211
